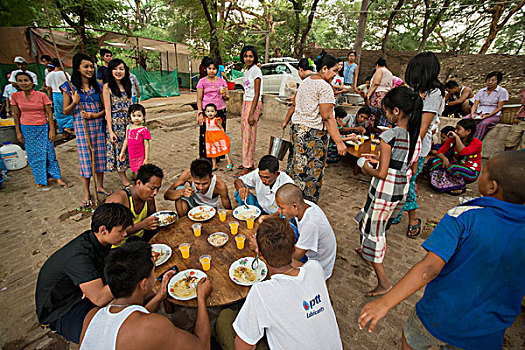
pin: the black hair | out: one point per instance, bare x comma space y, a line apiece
270, 163
211, 61
254, 52
365, 110
201, 168
211, 105
468, 124
447, 129
381, 62
204, 60
126, 266
498, 75
306, 64
506, 168
45, 57
352, 52
147, 171
408, 101
422, 73
26, 74
111, 215
55, 62
339, 112
112, 82
137, 107
76, 78
369, 78
103, 52
451, 84
327, 61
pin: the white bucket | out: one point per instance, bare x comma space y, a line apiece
13, 156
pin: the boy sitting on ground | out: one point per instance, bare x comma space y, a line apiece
350, 123
197, 186
293, 308
316, 237
443, 137
473, 270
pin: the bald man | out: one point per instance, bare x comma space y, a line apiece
316, 237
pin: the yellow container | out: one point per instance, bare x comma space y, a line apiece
222, 214
240, 241
234, 227
185, 250
197, 229
249, 223
205, 261
356, 147
373, 147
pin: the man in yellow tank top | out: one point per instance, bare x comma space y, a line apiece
140, 199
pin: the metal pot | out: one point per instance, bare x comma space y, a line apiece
279, 146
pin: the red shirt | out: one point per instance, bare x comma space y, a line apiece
32, 111
469, 156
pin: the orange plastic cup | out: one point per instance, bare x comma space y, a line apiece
234, 227
205, 261
249, 222
185, 250
373, 147
356, 147
197, 229
372, 136
240, 241
222, 214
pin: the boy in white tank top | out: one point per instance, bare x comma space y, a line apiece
198, 186
125, 323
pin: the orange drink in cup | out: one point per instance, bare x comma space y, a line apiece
205, 261
373, 147
362, 139
372, 136
185, 250
356, 147
240, 241
234, 227
249, 222
197, 229
222, 214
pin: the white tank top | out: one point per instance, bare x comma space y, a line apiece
207, 198
102, 331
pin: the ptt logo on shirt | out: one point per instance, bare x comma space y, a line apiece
309, 307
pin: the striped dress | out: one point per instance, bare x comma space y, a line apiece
91, 102
386, 197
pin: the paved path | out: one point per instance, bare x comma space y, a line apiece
34, 224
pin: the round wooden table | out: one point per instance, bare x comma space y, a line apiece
225, 291
365, 148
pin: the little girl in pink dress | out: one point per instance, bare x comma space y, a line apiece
137, 139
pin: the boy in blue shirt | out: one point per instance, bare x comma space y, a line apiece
473, 268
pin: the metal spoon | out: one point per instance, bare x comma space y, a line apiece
255, 262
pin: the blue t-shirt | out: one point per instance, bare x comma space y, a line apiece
101, 74
478, 293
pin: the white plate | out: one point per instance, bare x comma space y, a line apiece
163, 215
261, 271
352, 143
218, 234
183, 274
165, 251
383, 128
202, 209
364, 137
240, 212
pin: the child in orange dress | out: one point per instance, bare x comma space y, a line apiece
217, 142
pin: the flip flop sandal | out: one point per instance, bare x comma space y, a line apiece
105, 193
128, 186
229, 167
85, 205
463, 190
67, 185
214, 169
416, 227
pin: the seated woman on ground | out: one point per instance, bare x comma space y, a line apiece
464, 165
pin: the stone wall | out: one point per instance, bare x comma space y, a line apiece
469, 70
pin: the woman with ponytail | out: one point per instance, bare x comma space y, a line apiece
400, 148
313, 122
422, 76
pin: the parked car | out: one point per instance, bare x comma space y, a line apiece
273, 74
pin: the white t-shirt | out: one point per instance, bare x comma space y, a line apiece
295, 312
15, 72
55, 79
317, 238
265, 194
134, 84
9, 90
249, 83
310, 94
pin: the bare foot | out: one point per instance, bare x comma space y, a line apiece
379, 290
360, 253
63, 183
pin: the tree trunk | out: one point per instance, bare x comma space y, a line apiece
427, 30
215, 50
297, 13
389, 25
424, 34
361, 29
495, 27
302, 44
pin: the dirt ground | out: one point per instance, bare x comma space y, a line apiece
34, 224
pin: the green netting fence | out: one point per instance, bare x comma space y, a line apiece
157, 83
234, 74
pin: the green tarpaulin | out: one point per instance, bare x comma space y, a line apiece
157, 84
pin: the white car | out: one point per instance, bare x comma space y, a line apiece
273, 74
